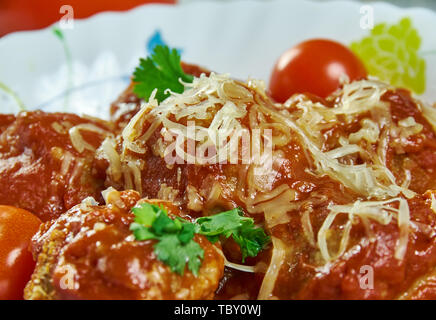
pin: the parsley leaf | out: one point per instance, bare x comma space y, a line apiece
175, 254
187, 233
175, 244
162, 70
223, 223
145, 213
164, 224
250, 239
142, 233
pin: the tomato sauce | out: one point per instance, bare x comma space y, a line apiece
90, 253
367, 269
32, 148
371, 246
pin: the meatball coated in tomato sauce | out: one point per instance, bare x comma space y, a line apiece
369, 268
351, 151
416, 154
90, 253
40, 169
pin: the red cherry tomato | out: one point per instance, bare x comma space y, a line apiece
17, 228
315, 67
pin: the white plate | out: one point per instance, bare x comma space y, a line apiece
241, 38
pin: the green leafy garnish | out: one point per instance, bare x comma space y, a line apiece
390, 52
162, 70
171, 251
176, 246
250, 239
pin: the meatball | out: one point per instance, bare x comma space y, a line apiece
333, 191
42, 169
90, 253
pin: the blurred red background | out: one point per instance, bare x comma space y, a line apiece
16, 15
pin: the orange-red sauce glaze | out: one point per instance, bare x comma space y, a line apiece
96, 246
344, 278
30, 163
301, 276
32, 148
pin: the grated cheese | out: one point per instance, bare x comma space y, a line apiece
429, 113
381, 211
278, 259
77, 140
217, 103
371, 179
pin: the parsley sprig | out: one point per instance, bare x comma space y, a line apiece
162, 70
233, 223
175, 244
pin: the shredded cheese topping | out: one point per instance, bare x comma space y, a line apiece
381, 211
370, 179
358, 161
79, 143
429, 112
280, 252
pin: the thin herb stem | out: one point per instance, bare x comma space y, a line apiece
68, 56
15, 96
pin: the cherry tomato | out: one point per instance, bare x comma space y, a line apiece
315, 67
17, 227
